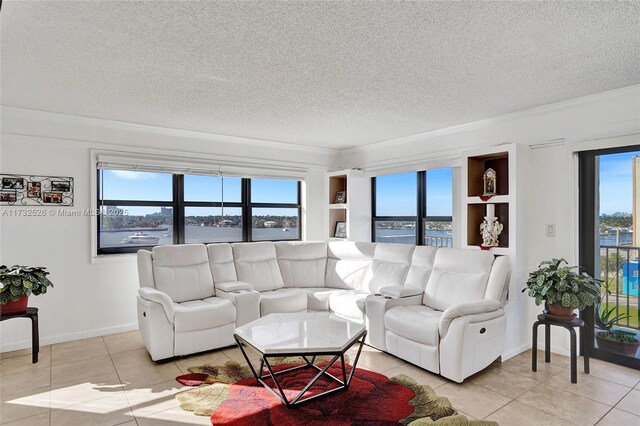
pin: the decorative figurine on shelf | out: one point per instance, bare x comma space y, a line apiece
489, 182
490, 228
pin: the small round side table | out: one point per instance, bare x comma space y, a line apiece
569, 325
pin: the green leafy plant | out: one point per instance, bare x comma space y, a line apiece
16, 281
605, 320
564, 286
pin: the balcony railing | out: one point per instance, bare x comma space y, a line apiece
619, 274
438, 241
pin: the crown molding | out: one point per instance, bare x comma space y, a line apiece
77, 120
475, 125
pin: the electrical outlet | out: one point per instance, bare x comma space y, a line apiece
551, 230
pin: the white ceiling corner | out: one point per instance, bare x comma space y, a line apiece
324, 74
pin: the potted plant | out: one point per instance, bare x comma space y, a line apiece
563, 288
17, 283
614, 339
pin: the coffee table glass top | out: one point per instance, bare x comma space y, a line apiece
305, 332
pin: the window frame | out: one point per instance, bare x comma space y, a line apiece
421, 209
178, 205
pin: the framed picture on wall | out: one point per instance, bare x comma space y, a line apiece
52, 197
8, 196
12, 183
341, 229
34, 190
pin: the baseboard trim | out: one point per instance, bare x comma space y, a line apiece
515, 351
67, 337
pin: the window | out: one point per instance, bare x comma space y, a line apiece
395, 201
413, 208
145, 209
136, 210
212, 209
275, 210
438, 208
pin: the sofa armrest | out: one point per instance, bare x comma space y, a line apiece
397, 291
375, 309
156, 296
231, 286
464, 309
246, 302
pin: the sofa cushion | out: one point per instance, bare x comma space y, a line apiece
349, 304
421, 267
417, 323
203, 314
221, 263
390, 265
256, 264
182, 272
349, 265
284, 300
459, 276
302, 264
318, 298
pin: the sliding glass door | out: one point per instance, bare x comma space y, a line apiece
610, 250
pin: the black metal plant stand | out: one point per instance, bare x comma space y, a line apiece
569, 325
31, 313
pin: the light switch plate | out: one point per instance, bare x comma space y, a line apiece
551, 230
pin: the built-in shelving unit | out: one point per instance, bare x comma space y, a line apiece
476, 208
509, 162
355, 211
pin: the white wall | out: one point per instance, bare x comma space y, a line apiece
553, 132
99, 298
94, 297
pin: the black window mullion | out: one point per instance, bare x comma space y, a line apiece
178, 210
373, 209
421, 207
246, 210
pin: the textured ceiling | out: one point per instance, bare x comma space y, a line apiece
312, 73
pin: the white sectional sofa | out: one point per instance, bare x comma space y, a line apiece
438, 308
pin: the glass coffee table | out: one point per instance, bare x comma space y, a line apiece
307, 335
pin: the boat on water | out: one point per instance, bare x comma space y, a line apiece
141, 238
285, 229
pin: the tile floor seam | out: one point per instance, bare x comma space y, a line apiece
501, 394
622, 409
603, 416
552, 414
173, 396
498, 409
568, 389
24, 418
538, 408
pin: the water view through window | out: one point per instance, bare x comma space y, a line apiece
618, 246
139, 209
398, 215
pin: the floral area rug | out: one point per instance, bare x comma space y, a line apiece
230, 395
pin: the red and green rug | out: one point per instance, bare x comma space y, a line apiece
230, 395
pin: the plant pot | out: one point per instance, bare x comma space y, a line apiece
624, 348
560, 313
14, 308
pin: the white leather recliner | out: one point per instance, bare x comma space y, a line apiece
178, 311
457, 326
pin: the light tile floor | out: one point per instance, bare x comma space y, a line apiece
111, 380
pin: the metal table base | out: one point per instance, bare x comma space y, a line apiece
309, 359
